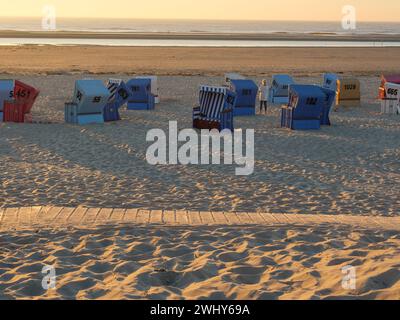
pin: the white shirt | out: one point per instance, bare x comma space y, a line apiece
263, 92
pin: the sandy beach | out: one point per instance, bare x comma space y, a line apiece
348, 169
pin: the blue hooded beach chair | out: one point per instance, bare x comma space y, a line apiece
6, 94
141, 97
119, 95
307, 108
246, 96
215, 110
87, 106
279, 91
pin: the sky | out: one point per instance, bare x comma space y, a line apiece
306, 10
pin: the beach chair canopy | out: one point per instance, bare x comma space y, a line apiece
139, 89
6, 92
119, 92
331, 81
307, 101
385, 79
90, 96
246, 92
280, 85
154, 85
213, 101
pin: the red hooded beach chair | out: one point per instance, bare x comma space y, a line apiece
19, 109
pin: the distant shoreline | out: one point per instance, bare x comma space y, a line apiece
278, 36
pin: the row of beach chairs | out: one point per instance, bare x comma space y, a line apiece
303, 106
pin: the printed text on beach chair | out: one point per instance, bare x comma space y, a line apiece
140, 97
306, 105
6, 94
385, 79
391, 102
119, 94
279, 91
87, 106
246, 95
215, 111
18, 109
154, 87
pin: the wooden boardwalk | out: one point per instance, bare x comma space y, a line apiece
56, 217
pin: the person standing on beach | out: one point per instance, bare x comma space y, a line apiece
263, 96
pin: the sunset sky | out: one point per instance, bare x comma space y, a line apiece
367, 10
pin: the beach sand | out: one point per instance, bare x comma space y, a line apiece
350, 168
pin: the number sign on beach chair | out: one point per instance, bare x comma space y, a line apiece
18, 108
119, 95
87, 106
387, 79
348, 90
391, 102
141, 97
215, 110
308, 107
279, 91
246, 95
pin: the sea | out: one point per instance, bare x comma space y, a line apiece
200, 26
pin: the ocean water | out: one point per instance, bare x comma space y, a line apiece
197, 26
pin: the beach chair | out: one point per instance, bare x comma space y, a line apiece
395, 79
87, 106
279, 91
390, 103
233, 76
140, 97
119, 95
6, 94
215, 110
308, 104
246, 96
154, 87
18, 109
348, 90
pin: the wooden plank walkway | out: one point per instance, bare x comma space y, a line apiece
53, 217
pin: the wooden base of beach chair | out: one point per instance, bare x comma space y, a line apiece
313, 124
206, 125
14, 112
71, 116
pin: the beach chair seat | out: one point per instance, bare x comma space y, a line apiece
215, 110
87, 106
119, 94
279, 91
18, 108
141, 97
246, 96
305, 108
390, 103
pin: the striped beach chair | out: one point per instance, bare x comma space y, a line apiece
141, 97
390, 103
246, 96
308, 107
279, 91
87, 106
119, 94
18, 107
215, 110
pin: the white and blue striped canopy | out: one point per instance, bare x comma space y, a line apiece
212, 101
112, 86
